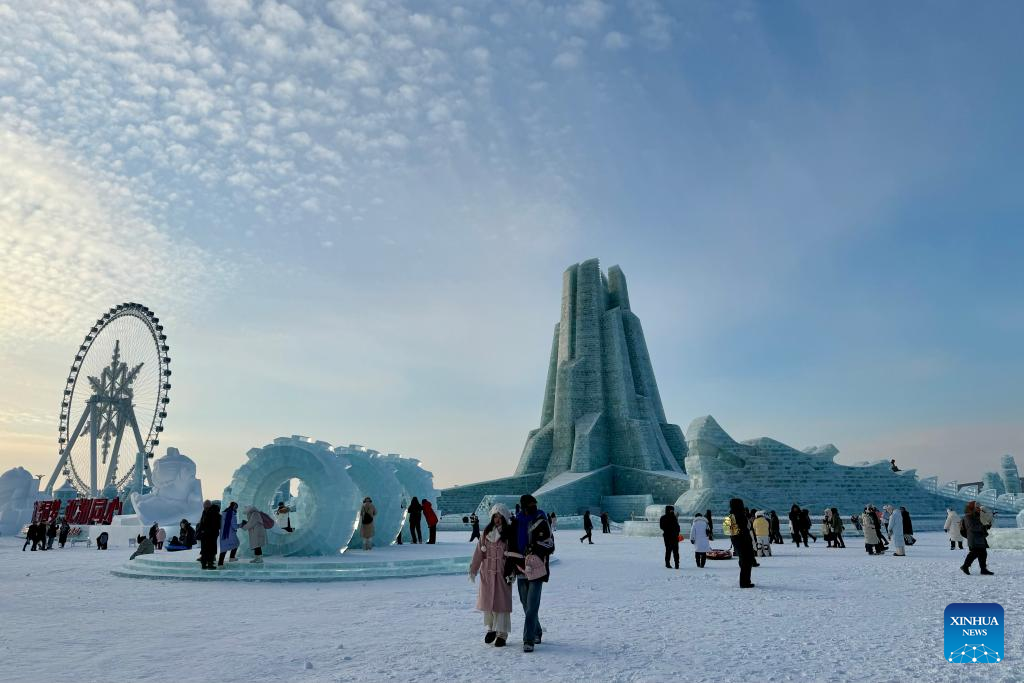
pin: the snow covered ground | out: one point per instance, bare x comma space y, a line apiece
612, 612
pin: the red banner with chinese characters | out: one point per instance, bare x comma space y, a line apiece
79, 510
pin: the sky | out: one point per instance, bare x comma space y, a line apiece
352, 217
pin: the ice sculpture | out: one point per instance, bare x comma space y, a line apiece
415, 480
992, 480
176, 494
770, 475
604, 440
1020, 519
327, 503
376, 480
332, 485
18, 492
1011, 477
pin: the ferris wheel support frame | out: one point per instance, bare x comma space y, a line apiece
126, 414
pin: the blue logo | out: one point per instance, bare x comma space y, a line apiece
973, 633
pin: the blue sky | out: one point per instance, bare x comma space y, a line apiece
353, 216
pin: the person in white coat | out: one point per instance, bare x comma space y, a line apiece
256, 526
895, 529
699, 539
952, 527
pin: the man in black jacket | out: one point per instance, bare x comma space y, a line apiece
209, 529
531, 535
742, 541
670, 532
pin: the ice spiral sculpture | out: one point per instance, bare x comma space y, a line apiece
332, 485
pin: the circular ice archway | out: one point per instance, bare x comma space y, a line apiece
330, 499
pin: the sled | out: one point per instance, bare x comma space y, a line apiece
719, 555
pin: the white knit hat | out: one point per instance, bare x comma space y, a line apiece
500, 509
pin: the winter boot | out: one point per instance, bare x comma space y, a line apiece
499, 642
965, 570
986, 572
489, 638
256, 560
527, 647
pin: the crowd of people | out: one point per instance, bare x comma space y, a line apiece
753, 532
514, 548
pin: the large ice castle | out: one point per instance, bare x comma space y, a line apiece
604, 442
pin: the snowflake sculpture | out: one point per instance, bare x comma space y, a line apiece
970, 654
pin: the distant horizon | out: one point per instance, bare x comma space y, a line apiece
353, 216
218, 487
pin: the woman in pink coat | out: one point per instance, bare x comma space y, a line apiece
495, 596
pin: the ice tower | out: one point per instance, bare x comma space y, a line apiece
603, 441
1011, 477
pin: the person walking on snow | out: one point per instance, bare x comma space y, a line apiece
367, 513
776, 528
805, 526
161, 536
895, 529
209, 530
415, 515
65, 531
741, 540
474, 522
51, 534
795, 524
431, 518
837, 528
255, 525
952, 527
534, 545
762, 534
228, 538
588, 529
606, 526
973, 528
872, 541
699, 540
669, 524
494, 598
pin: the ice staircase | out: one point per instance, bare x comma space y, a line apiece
291, 570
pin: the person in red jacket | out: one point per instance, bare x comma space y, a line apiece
431, 519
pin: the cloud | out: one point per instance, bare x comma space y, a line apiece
613, 40
587, 14
72, 242
655, 24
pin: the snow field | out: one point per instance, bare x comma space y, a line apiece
611, 612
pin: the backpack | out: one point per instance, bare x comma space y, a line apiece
268, 521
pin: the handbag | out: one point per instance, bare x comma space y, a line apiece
535, 568
909, 539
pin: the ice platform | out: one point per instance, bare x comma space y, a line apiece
391, 562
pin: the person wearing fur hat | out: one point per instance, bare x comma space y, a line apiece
494, 597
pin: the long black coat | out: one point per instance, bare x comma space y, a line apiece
976, 531
209, 524
588, 525
908, 526
669, 524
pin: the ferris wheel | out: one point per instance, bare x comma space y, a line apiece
118, 382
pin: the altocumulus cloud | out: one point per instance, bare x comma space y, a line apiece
73, 240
